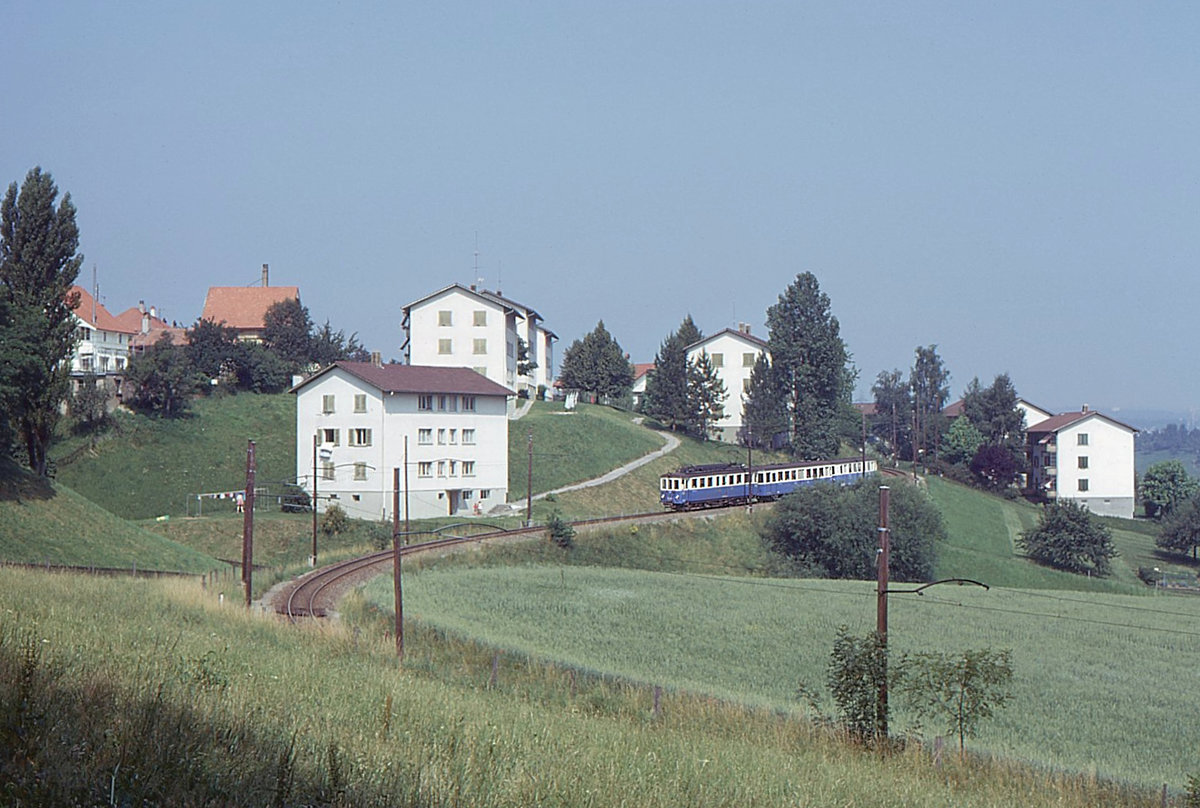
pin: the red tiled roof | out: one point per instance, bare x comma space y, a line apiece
397, 378
954, 410
131, 320
1057, 422
640, 369
94, 314
244, 307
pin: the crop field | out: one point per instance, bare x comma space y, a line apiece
1099, 678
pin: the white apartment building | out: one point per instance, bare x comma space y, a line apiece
104, 343
1084, 456
460, 326
357, 421
733, 354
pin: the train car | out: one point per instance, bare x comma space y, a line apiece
727, 484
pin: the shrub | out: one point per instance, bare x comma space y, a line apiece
561, 532
335, 521
1068, 538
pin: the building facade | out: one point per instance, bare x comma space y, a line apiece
1084, 456
102, 350
733, 354
358, 421
460, 326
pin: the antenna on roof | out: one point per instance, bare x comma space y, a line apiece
95, 293
478, 277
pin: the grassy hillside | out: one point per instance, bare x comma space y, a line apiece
1091, 691
149, 466
136, 693
42, 522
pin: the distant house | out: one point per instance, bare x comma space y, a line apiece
362, 420
460, 326
244, 308
641, 374
103, 346
733, 354
1083, 456
147, 327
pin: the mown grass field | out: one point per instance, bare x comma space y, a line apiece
134, 692
1097, 686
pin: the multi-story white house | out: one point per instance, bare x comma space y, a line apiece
1083, 456
357, 421
102, 350
733, 354
460, 326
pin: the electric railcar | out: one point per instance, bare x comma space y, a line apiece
725, 484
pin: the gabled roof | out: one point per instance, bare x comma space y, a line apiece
495, 300
955, 409
640, 369
1057, 423
244, 307
397, 378
757, 342
92, 312
132, 320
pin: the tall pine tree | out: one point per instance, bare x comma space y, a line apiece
667, 385
38, 264
705, 395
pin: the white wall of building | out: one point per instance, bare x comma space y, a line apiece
733, 355
1106, 484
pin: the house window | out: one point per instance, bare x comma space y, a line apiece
360, 437
327, 404
1082, 439
445, 346
468, 403
424, 402
453, 436
329, 436
425, 437
747, 360
453, 468
485, 493
327, 470
480, 317
441, 468
360, 402
480, 346
425, 469
1083, 461
442, 403
718, 360
1083, 484
360, 471
441, 437
468, 437
445, 317
468, 468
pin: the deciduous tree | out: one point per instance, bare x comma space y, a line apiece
596, 364
811, 363
1181, 528
1068, 538
994, 467
959, 689
929, 383
288, 332
892, 421
993, 411
38, 264
1166, 485
162, 379
962, 441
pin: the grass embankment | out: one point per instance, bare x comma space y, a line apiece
1093, 689
146, 693
42, 522
147, 467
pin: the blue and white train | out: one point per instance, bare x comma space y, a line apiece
731, 483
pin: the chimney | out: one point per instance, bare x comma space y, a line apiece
153, 311
376, 359
145, 321
142, 306
265, 273
1085, 408
744, 328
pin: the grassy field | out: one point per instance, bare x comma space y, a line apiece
150, 467
1096, 675
132, 693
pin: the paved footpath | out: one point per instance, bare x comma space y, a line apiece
670, 443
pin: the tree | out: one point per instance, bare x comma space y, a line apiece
666, 387
259, 369
1164, 486
1068, 538
856, 673
993, 411
830, 531
88, 403
38, 265
962, 441
287, 331
892, 421
212, 349
705, 395
764, 412
162, 379
596, 364
810, 358
1181, 528
960, 689
524, 365
929, 382
994, 467
329, 346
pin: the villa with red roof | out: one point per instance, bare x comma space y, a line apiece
103, 343
244, 308
1084, 456
358, 421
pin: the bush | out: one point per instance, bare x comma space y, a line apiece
335, 521
1068, 538
561, 532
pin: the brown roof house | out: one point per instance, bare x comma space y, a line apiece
244, 308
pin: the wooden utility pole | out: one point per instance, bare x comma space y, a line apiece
248, 525
529, 486
397, 592
312, 561
881, 612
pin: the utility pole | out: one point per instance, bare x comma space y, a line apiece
248, 525
749, 470
312, 561
406, 488
864, 445
529, 486
397, 592
881, 612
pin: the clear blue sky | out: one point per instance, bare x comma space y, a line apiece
1016, 182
